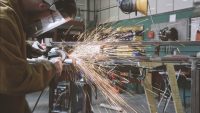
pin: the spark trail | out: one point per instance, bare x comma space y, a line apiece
85, 56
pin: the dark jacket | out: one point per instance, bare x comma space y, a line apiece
17, 76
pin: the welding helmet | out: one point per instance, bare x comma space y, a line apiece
65, 7
62, 11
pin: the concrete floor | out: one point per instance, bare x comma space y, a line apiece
136, 101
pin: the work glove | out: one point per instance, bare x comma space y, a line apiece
57, 61
33, 52
38, 46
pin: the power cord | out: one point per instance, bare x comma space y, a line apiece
37, 101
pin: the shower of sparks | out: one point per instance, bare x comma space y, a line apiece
96, 53
88, 54
97, 76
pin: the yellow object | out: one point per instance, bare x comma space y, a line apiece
130, 28
17, 76
138, 38
174, 88
142, 6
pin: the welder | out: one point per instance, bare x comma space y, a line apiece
17, 76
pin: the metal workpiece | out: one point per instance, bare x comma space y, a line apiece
68, 61
133, 60
128, 43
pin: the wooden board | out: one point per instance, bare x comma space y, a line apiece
173, 83
174, 88
148, 88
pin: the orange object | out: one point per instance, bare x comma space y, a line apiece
151, 34
198, 35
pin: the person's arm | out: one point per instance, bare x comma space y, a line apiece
33, 52
17, 76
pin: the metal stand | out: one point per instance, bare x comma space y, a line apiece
195, 87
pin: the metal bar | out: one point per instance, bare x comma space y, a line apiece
171, 59
155, 43
195, 88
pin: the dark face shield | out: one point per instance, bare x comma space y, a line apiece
46, 24
67, 8
52, 4
62, 12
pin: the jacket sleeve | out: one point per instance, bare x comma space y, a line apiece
17, 76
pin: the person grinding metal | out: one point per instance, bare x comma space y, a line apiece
17, 76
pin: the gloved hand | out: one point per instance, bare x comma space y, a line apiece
38, 46
57, 61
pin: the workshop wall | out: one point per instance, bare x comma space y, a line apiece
154, 19
181, 26
160, 14
163, 18
108, 10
